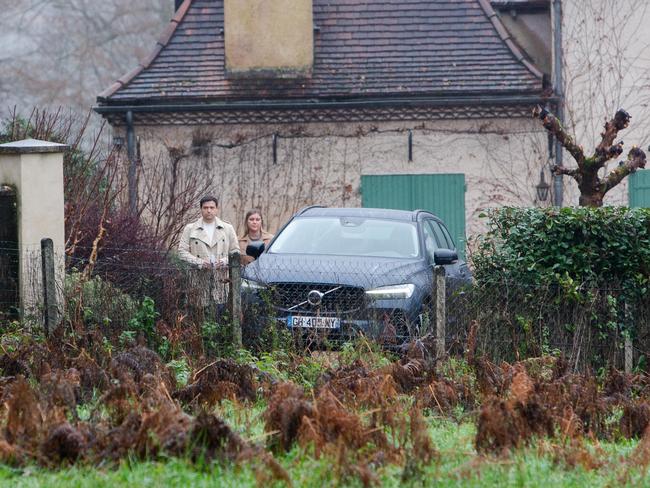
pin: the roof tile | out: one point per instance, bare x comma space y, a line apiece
361, 48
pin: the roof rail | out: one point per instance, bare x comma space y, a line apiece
304, 209
420, 210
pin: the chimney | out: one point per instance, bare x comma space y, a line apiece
269, 38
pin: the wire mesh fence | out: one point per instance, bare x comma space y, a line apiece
143, 294
516, 321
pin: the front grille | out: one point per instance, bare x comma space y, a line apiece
336, 299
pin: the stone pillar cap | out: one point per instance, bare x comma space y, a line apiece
31, 146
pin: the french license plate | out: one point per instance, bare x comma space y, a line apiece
314, 322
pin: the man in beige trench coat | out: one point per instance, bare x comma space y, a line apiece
205, 244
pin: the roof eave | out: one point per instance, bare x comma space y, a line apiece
442, 101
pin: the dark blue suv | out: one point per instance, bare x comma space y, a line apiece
344, 270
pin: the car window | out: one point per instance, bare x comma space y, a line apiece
440, 236
446, 240
448, 236
348, 236
430, 244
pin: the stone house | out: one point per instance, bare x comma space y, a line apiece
418, 103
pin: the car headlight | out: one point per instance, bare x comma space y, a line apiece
250, 285
392, 291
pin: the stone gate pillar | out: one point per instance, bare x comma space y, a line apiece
34, 169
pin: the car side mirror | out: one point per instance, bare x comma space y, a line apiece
444, 256
255, 249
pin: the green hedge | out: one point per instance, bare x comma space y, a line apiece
591, 246
570, 280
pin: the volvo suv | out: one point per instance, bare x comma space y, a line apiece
339, 271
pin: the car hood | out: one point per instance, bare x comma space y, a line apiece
367, 272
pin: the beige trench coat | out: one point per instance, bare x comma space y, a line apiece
195, 247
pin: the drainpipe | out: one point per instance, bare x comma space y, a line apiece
130, 150
558, 184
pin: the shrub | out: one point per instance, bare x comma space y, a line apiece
592, 246
572, 280
95, 302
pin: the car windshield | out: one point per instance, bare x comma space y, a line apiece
348, 236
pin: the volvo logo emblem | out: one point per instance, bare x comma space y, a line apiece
315, 298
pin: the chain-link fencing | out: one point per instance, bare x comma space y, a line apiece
589, 326
153, 296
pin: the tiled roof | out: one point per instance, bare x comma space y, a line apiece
362, 48
521, 3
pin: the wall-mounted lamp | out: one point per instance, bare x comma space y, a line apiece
542, 187
118, 142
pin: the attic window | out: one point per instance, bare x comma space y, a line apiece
269, 38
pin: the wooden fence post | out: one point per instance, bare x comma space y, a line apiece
234, 266
440, 286
49, 286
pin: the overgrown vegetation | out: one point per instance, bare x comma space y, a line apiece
357, 417
132, 380
573, 280
99, 219
142, 372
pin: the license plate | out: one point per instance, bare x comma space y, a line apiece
314, 322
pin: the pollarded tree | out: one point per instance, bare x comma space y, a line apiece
592, 186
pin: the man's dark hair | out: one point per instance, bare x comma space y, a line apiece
209, 198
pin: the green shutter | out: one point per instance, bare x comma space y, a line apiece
442, 194
639, 189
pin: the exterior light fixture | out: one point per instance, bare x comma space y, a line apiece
118, 142
542, 187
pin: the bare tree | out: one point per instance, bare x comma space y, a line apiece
592, 186
90, 174
169, 193
64, 52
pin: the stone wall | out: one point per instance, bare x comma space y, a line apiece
323, 163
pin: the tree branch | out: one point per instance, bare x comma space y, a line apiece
553, 125
561, 170
607, 150
636, 159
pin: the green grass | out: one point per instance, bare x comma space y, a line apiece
174, 472
458, 465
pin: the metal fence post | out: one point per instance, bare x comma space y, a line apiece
49, 286
234, 267
440, 306
628, 339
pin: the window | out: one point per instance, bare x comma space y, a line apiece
430, 241
440, 237
448, 237
348, 236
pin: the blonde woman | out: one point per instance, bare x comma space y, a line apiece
253, 233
